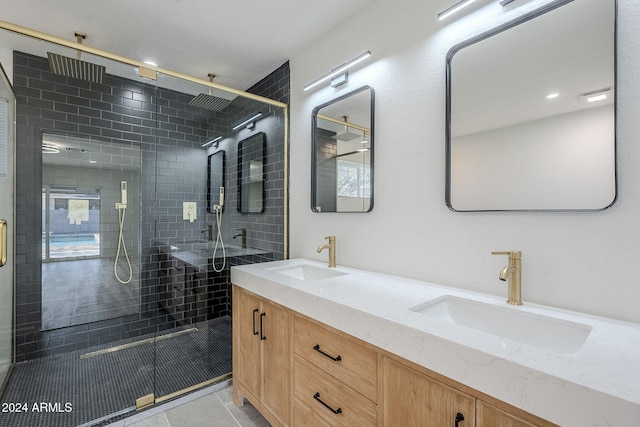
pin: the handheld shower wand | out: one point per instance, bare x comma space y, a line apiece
122, 207
218, 211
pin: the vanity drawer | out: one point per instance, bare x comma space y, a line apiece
329, 399
358, 365
303, 416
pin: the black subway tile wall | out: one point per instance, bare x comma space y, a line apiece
173, 169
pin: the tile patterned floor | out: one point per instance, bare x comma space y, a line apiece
205, 408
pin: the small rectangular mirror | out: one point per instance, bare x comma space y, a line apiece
215, 179
531, 112
251, 173
342, 153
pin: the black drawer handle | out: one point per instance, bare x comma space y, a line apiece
262, 337
459, 417
255, 332
335, 359
335, 411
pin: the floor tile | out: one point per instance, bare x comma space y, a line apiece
159, 420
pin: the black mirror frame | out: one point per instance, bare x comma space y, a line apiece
499, 29
314, 125
209, 173
264, 171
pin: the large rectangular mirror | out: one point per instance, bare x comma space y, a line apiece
342, 153
251, 173
215, 180
531, 112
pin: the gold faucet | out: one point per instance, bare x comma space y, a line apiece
512, 274
332, 250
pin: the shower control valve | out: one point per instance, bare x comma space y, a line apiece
121, 205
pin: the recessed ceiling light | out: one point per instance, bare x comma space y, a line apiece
553, 95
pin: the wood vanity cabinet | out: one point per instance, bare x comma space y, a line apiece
414, 399
300, 372
262, 355
335, 378
490, 416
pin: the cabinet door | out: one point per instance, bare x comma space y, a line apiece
414, 399
248, 367
488, 416
275, 325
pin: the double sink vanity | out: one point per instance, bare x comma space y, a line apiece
339, 346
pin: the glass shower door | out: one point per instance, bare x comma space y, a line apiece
7, 117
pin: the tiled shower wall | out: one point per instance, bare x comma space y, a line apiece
173, 170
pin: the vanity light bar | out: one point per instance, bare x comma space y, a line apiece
206, 144
238, 126
598, 95
338, 70
49, 148
453, 9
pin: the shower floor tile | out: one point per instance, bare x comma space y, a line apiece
109, 382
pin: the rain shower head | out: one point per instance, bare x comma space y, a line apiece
209, 101
76, 68
346, 135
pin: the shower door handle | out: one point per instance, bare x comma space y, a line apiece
3, 242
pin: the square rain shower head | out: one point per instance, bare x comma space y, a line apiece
209, 102
346, 136
75, 68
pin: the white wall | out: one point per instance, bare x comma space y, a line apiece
6, 59
585, 261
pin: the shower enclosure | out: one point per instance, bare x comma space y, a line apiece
118, 305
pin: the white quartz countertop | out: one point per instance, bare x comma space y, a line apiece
599, 385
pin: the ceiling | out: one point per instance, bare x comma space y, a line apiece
239, 41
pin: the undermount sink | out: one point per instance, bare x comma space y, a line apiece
307, 272
549, 333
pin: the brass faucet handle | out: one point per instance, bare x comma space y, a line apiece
330, 238
511, 254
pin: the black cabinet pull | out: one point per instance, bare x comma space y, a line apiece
459, 417
262, 337
255, 332
335, 411
335, 359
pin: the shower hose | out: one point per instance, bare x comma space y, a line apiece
121, 245
219, 242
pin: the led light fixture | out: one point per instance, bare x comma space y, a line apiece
246, 122
553, 95
211, 141
595, 96
453, 9
49, 148
338, 71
